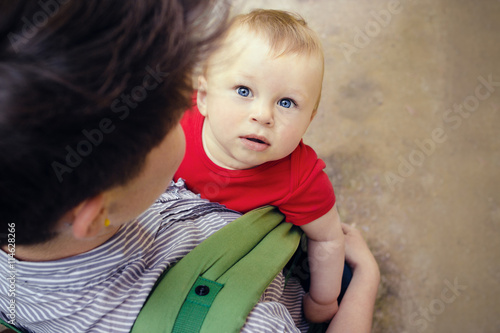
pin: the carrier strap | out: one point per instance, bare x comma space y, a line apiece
216, 285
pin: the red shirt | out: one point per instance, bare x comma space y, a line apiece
296, 184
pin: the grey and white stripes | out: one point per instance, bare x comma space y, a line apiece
104, 289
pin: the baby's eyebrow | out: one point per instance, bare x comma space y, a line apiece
298, 94
245, 75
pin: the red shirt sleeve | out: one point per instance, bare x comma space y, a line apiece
313, 194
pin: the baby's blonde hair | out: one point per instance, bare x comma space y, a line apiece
286, 32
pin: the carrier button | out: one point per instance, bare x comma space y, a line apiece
202, 290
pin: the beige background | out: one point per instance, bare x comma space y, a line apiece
435, 226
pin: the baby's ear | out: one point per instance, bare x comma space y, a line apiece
202, 95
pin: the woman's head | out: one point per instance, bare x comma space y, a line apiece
87, 90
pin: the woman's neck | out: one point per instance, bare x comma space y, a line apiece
61, 247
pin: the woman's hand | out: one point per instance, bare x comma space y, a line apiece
357, 253
355, 312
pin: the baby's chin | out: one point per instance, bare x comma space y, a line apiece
250, 164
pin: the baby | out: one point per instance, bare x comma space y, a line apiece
256, 98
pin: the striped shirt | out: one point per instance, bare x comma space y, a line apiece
104, 289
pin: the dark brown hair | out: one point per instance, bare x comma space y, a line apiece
87, 89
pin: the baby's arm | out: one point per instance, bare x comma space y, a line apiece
325, 241
356, 310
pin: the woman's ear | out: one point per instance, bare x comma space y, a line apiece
201, 99
88, 217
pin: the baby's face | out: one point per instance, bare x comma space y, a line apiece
257, 106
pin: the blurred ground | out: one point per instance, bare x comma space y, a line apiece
411, 136
413, 150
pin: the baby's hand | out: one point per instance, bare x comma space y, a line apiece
318, 313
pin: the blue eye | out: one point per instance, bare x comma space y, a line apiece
243, 91
286, 103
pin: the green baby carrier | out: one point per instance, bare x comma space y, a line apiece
215, 286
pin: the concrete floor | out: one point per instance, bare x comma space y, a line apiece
417, 175
420, 180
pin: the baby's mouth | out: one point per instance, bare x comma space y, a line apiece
255, 142
257, 139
